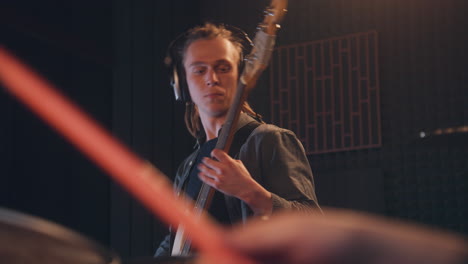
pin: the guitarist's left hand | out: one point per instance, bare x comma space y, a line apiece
230, 177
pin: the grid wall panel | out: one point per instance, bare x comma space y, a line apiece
327, 92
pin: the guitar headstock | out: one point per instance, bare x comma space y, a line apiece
264, 42
274, 15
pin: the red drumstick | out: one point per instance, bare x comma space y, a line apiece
141, 179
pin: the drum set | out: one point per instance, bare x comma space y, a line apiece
26, 239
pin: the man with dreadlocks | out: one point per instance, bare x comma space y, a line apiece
269, 171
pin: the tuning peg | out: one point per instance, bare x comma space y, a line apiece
261, 26
269, 12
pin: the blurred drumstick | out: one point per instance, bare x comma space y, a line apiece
145, 182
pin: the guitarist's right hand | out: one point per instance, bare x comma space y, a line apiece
230, 177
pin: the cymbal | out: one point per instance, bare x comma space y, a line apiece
26, 239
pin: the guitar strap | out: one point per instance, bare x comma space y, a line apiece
241, 136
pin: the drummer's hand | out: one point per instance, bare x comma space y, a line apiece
230, 177
343, 237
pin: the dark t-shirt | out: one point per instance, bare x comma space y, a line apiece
218, 206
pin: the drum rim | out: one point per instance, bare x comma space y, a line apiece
56, 231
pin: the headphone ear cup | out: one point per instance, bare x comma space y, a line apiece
180, 85
245, 41
175, 85
176, 72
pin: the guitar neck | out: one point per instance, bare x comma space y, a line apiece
225, 138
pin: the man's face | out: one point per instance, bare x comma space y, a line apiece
212, 72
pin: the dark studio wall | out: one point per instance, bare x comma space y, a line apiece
107, 56
68, 43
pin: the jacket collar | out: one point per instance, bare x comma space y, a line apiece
244, 119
